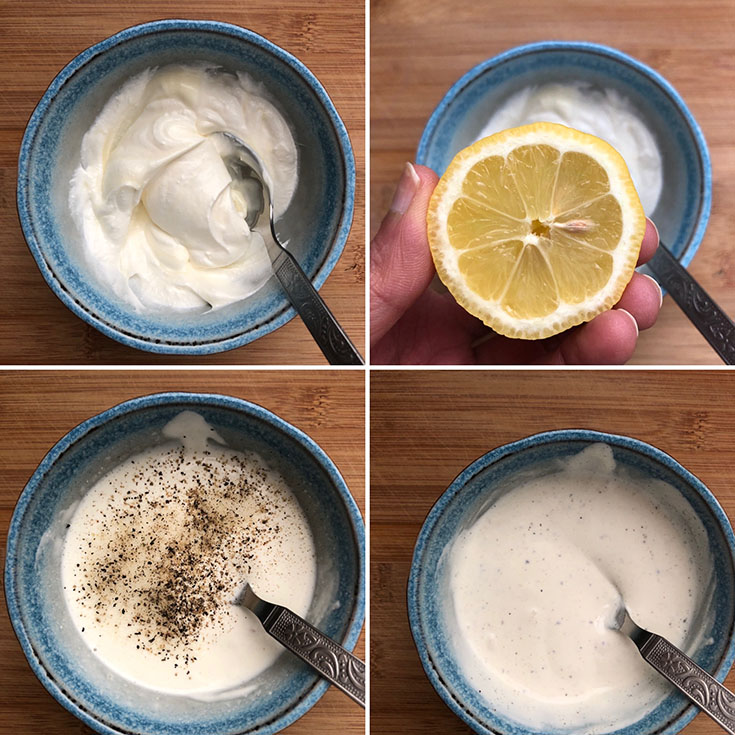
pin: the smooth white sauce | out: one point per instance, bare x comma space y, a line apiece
604, 113
533, 593
152, 198
158, 549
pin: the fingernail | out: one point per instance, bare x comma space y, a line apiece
658, 237
406, 190
660, 292
637, 332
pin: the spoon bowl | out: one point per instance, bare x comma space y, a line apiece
247, 172
623, 623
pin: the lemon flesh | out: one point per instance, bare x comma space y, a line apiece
536, 229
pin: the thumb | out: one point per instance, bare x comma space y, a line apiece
401, 267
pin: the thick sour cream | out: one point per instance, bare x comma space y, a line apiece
536, 580
604, 113
160, 546
152, 198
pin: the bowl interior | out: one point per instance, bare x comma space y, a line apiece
67, 661
315, 225
470, 495
683, 208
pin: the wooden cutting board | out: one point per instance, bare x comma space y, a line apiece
38, 408
419, 49
425, 427
38, 38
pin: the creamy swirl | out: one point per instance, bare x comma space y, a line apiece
152, 196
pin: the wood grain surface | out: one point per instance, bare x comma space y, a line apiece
419, 48
38, 38
38, 408
427, 426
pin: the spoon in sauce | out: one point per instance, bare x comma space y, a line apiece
249, 182
701, 688
336, 664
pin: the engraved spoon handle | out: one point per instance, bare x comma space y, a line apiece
315, 314
333, 662
704, 690
712, 322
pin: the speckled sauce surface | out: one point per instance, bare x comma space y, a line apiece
536, 582
158, 548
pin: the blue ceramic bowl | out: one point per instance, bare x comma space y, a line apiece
470, 493
315, 225
683, 209
55, 649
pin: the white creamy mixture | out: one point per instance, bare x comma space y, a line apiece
533, 591
604, 113
152, 196
158, 549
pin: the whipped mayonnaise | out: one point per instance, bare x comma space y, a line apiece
535, 582
151, 195
600, 112
158, 549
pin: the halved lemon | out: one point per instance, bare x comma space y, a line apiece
536, 229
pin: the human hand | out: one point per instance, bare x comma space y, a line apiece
411, 323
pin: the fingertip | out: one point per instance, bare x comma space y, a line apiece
427, 176
401, 265
642, 299
412, 228
609, 339
649, 243
632, 318
656, 286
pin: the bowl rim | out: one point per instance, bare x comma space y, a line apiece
705, 203
435, 515
188, 399
283, 314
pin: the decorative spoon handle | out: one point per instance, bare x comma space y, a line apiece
714, 325
333, 662
704, 690
324, 328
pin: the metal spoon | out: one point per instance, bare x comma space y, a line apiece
247, 177
333, 662
711, 321
705, 691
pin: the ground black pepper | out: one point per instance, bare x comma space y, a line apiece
174, 544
